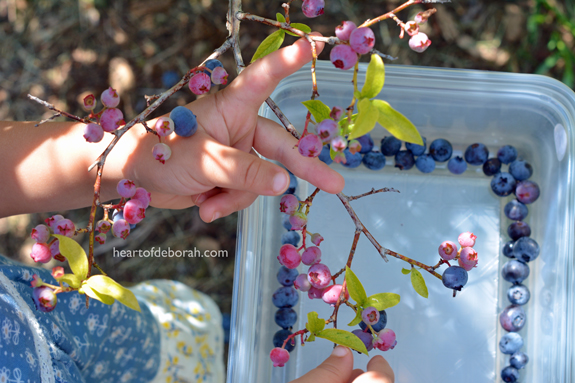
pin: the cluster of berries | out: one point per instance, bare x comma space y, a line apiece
372, 331
47, 246
108, 119
213, 74
455, 277
44, 295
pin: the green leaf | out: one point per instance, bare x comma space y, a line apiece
314, 324
357, 318
106, 299
280, 18
302, 27
419, 283
72, 280
354, 287
75, 255
374, 77
396, 123
382, 301
107, 286
271, 44
318, 110
344, 338
357, 94
310, 338
405, 271
366, 119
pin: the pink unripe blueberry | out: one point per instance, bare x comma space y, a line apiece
89, 102
57, 272
370, 315
161, 152
327, 130
316, 239
65, 227
55, 250
103, 226
289, 256
301, 283
331, 294
40, 234
111, 119
343, 31
411, 27
126, 188
200, 83
362, 40
339, 144
121, 229
279, 356
343, 57
314, 292
93, 132
36, 281
319, 275
311, 256
310, 145
385, 340
467, 239
289, 204
134, 211
468, 258
354, 146
313, 8
219, 76
419, 42
420, 18
143, 196
336, 113
447, 250
53, 220
110, 98
164, 126
100, 238
41, 253
298, 220
44, 298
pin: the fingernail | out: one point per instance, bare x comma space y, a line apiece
339, 351
201, 198
215, 216
280, 182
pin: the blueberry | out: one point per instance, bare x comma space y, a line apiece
520, 169
366, 143
285, 221
491, 167
510, 343
509, 374
454, 277
285, 318
287, 276
281, 336
507, 154
170, 78
519, 360
352, 160
503, 184
476, 154
118, 214
374, 160
390, 146
292, 184
404, 160
518, 294
515, 210
508, 249
457, 165
425, 163
379, 325
518, 229
512, 319
291, 237
527, 191
515, 271
365, 337
211, 64
440, 150
185, 123
417, 150
285, 296
324, 156
526, 249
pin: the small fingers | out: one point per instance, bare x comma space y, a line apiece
378, 371
224, 203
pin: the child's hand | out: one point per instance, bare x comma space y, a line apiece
338, 368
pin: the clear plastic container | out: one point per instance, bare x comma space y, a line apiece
440, 339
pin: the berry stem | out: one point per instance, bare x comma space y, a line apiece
373, 191
58, 112
341, 299
388, 15
295, 334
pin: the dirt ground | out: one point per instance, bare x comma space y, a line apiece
62, 50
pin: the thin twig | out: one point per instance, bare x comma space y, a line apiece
373, 191
61, 112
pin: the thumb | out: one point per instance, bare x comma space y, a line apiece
335, 369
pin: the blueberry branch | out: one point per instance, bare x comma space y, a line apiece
373, 191
341, 299
58, 112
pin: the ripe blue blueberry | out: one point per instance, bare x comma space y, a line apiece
509, 374
515, 271
285, 296
526, 249
476, 154
440, 150
285, 222
185, 122
291, 237
417, 150
170, 78
512, 319
518, 294
520, 169
510, 343
527, 191
280, 337
366, 143
365, 337
352, 160
503, 184
518, 229
285, 318
380, 325
292, 184
390, 146
324, 155
404, 160
491, 167
507, 154
287, 276
515, 210
457, 165
374, 160
454, 277
508, 249
425, 163
519, 360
